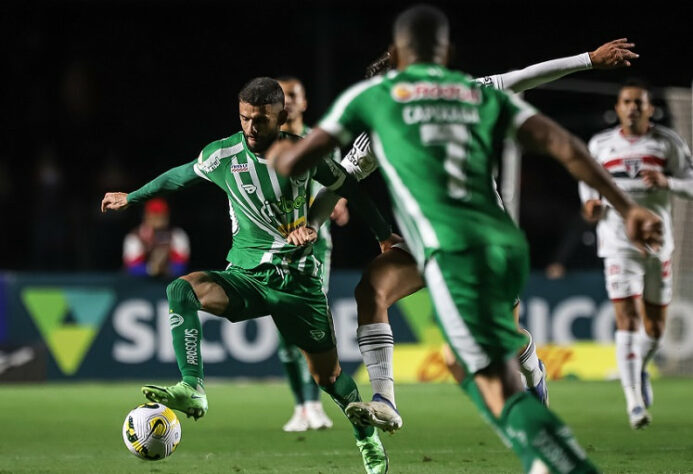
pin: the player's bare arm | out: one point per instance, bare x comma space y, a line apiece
293, 159
544, 135
593, 210
614, 54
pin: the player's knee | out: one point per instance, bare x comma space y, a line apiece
180, 291
654, 327
369, 292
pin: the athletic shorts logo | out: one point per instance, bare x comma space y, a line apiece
317, 334
175, 320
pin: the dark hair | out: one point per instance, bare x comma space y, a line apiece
379, 66
424, 27
261, 91
637, 83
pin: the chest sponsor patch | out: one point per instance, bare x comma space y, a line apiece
239, 168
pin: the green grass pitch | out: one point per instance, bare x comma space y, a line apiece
77, 428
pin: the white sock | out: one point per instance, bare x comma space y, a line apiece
648, 346
629, 367
529, 363
377, 345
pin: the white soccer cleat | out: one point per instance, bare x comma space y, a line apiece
298, 421
639, 418
317, 418
379, 412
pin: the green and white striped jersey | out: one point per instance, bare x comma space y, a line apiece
265, 207
438, 136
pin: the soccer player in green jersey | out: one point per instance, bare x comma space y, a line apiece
393, 274
438, 138
308, 411
266, 274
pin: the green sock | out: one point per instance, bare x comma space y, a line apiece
186, 330
536, 433
291, 359
344, 391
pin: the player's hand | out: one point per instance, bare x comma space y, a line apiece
654, 179
114, 202
593, 210
387, 244
340, 214
644, 229
612, 55
302, 236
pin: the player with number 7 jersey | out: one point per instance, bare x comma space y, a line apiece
443, 128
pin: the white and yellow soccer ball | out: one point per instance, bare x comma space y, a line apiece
151, 431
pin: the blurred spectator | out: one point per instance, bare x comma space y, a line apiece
154, 248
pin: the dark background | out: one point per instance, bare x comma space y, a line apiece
105, 95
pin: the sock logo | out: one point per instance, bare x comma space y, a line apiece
191, 338
317, 334
69, 319
175, 320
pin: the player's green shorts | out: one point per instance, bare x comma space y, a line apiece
295, 301
474, 292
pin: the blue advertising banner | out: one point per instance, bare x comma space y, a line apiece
110, 326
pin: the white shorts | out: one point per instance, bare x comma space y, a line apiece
635, 275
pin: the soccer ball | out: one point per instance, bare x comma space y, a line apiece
151, 431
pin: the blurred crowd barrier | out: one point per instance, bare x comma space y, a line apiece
111, 326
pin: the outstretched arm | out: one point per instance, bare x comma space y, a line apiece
544, 135
172, 180
611, 55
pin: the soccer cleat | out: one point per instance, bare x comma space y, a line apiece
373, 453
541, 389
317, 418
181, 396
298, 421
647, 392
379, 412
639, 418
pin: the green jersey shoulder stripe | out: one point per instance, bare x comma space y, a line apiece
331, 124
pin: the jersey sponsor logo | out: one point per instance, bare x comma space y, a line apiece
239, 167
412, 114
286, 229
249, 188
409, 92
317, 334
175, 320
210, 164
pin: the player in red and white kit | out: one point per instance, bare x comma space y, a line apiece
649, 162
